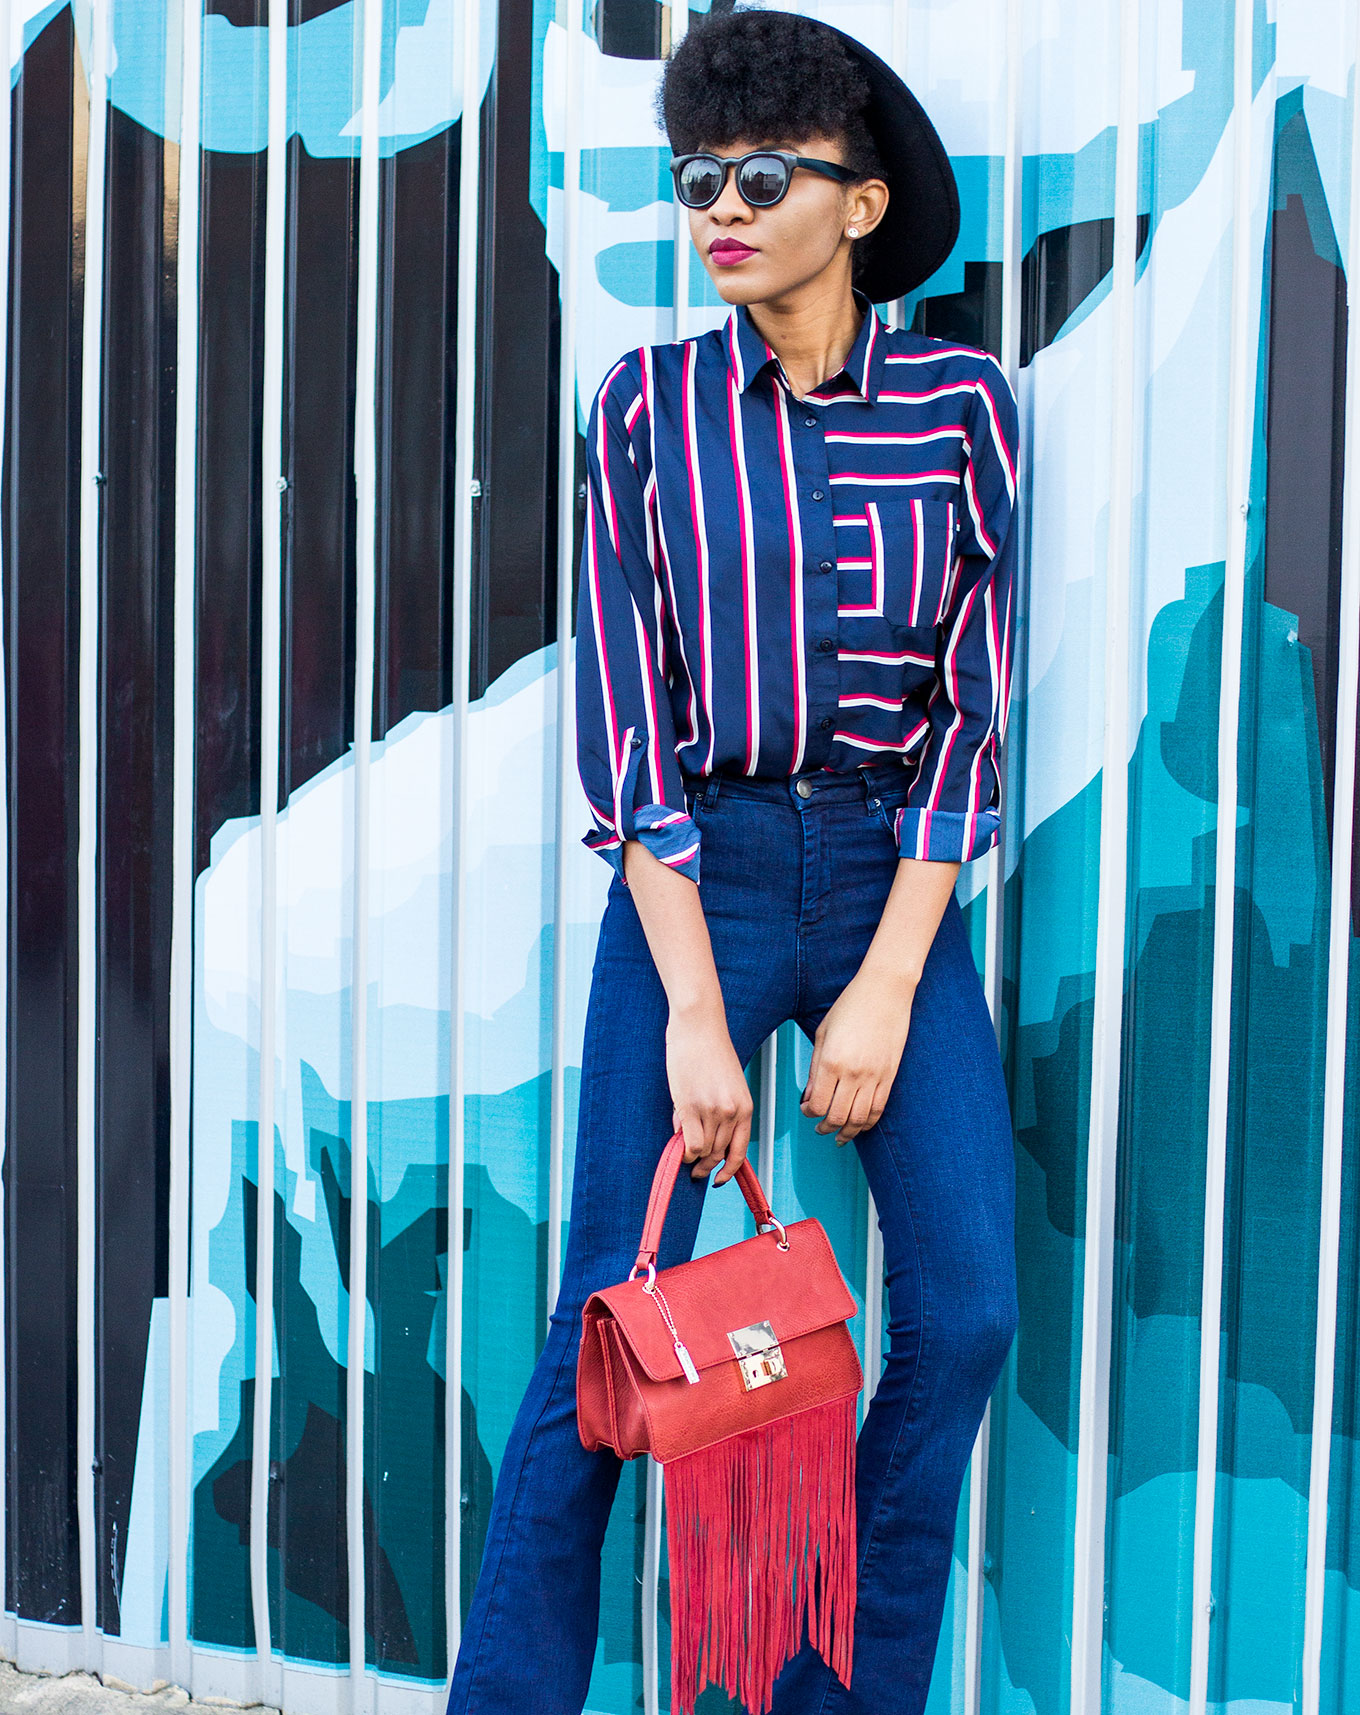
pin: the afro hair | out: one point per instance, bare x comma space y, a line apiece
772, 77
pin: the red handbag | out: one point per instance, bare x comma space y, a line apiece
738, 1373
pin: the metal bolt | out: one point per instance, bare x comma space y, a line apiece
475, 489
280, 483
99, 479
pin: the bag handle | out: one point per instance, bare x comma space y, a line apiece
663, 1183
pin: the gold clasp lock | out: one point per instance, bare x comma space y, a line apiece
758, 1355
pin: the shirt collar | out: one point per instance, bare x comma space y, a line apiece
748, 355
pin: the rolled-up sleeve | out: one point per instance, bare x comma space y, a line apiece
625, 730
953, 808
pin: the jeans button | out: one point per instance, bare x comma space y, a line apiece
804, 788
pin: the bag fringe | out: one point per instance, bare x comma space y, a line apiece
761, 1535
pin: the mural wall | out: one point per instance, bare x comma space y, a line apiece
306, 303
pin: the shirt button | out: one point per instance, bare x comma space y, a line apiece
826, 723
804, 788
811, 422
817, 494
826, 566
826, 645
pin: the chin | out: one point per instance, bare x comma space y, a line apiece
766, 284
735, 286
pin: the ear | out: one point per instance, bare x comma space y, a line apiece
865, 205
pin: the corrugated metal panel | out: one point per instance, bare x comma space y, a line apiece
300, 927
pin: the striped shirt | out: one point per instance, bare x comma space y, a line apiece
772, 584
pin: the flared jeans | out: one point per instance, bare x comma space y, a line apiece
794, 879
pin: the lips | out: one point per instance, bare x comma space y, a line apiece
730, 250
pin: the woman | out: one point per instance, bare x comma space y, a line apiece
792, 664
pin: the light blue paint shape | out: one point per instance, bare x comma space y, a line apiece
33, 28
1287, 836
418, 96
143, 1596
642, 274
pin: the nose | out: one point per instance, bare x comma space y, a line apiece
730, 205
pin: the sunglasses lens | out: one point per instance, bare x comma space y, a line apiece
762, 180
699, 182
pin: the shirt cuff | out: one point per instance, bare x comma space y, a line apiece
669, 835
954, 836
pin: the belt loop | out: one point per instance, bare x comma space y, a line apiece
711, 791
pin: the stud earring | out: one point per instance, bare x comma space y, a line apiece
852, 232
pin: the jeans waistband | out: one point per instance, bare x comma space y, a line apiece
809, 785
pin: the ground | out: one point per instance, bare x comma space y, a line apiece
83, 1694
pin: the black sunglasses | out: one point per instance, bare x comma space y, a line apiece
762, 176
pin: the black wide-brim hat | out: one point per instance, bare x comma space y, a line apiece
921, 223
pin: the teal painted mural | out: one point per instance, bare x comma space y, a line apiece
289, 826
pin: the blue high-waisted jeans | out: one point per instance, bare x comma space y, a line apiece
792, 889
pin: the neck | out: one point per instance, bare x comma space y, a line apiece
810, 331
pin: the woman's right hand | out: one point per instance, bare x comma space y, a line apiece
713, 1105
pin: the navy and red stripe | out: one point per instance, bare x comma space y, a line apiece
772, 584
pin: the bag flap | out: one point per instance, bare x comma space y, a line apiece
795, 1291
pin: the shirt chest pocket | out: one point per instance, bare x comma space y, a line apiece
911, 560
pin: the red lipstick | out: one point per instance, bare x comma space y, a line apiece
726, 251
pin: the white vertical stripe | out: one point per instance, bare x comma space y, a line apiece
897, 59
272, 483
1338, 962
6, 162
1088, 1560
469, 177
361, 1686
994, 927
679, 19
651, 1587
182, 907
901, 10
566, 542
87, 881
975, 1604
1011, 310
1240, 419
873, 1304
769, 1107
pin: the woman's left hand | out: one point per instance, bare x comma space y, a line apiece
855, 1054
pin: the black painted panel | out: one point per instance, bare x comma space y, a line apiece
41, 572
318, 459
1060, 271
417, 321
227, 661
1305, 436
136, 777
514, 606
972, 316
307, 1499
231, 378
